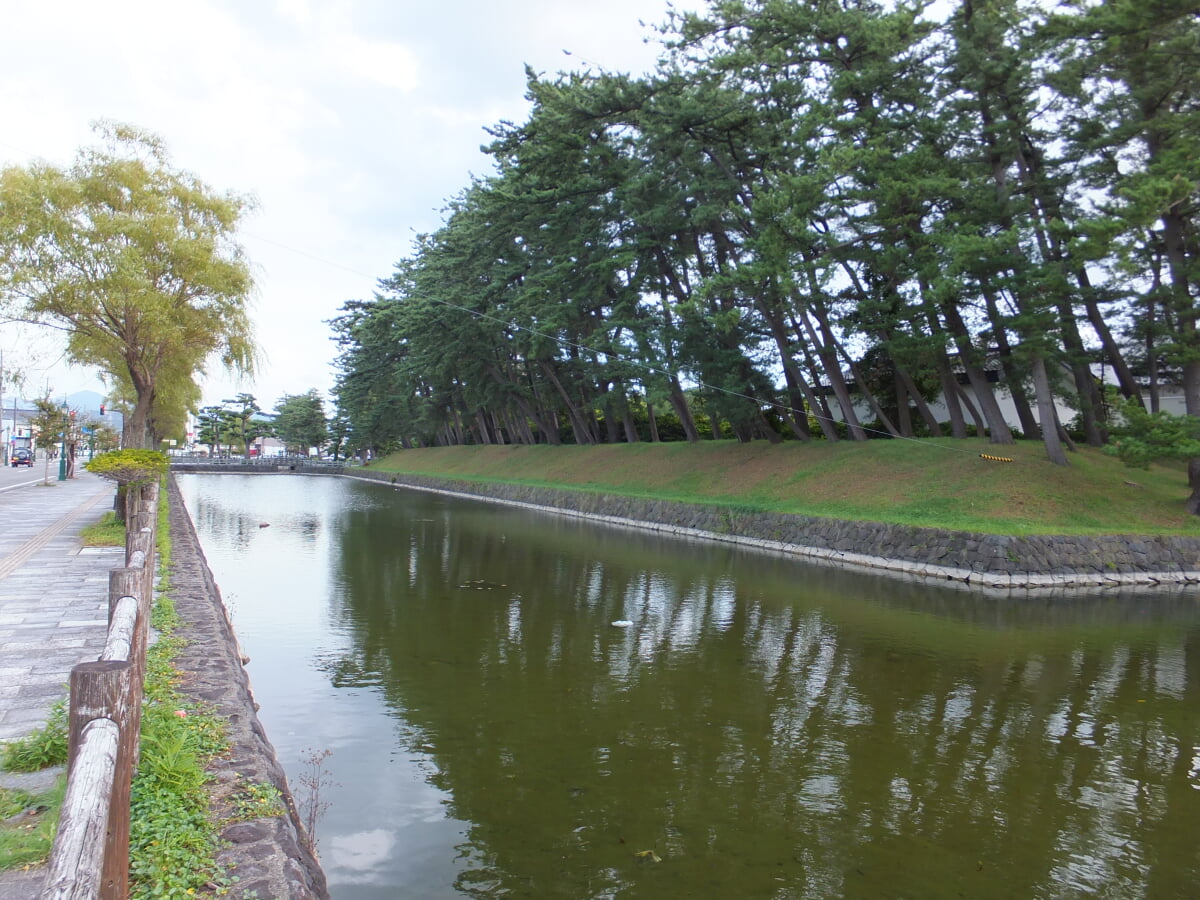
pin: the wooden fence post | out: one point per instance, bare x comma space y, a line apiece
76, 861
142, 541
133, 495
103, 690
127, 582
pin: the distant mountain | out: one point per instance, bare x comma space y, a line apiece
86, 402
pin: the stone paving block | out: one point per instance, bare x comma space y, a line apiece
67, 643
55, 671
23, 716
46, 694
13, 732
62, 630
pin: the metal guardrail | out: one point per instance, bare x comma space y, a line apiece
256, 464
90, 856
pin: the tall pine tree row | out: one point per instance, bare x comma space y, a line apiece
815, 218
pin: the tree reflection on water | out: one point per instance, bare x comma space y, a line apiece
765, 728
769, 726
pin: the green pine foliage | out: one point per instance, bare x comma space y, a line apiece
1145, 437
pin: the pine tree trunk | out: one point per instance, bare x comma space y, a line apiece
965, 399
903, 415
958, 425
1193, 501
579, 425
926, 414
833, 372
1047, 415
998, 429
796, 419
679, 403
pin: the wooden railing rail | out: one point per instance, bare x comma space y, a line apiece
90, 857
78, 858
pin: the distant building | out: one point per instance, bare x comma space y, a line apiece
268, 447
17, 415
14, 425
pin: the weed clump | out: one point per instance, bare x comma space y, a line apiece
42, 748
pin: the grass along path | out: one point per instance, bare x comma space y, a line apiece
938, 483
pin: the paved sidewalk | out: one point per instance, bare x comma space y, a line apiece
53, 612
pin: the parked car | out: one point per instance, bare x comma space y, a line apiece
22, 457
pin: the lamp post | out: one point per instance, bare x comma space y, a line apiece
62, 453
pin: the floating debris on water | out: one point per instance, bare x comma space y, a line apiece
621, 623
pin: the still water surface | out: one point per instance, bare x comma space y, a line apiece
764, 728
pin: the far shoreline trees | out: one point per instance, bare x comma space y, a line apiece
300, 422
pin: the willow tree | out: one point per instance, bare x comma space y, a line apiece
136, 261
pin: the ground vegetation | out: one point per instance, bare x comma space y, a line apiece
934, 483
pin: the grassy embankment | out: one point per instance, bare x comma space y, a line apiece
933, 483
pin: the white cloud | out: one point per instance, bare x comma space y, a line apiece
386, 63
299, 11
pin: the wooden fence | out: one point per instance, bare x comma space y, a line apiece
90, 857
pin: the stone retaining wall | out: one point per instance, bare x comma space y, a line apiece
1000, 561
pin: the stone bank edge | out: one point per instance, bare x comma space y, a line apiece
987, 560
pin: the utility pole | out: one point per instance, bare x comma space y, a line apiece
62, 455
3, 442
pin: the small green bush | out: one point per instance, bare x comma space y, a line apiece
130, 466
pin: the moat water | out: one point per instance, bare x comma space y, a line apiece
752, 727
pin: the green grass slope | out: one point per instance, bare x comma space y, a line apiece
934, 483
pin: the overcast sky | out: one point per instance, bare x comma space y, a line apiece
351, 122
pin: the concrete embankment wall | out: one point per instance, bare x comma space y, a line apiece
999, 561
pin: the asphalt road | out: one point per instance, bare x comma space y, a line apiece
9, 477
